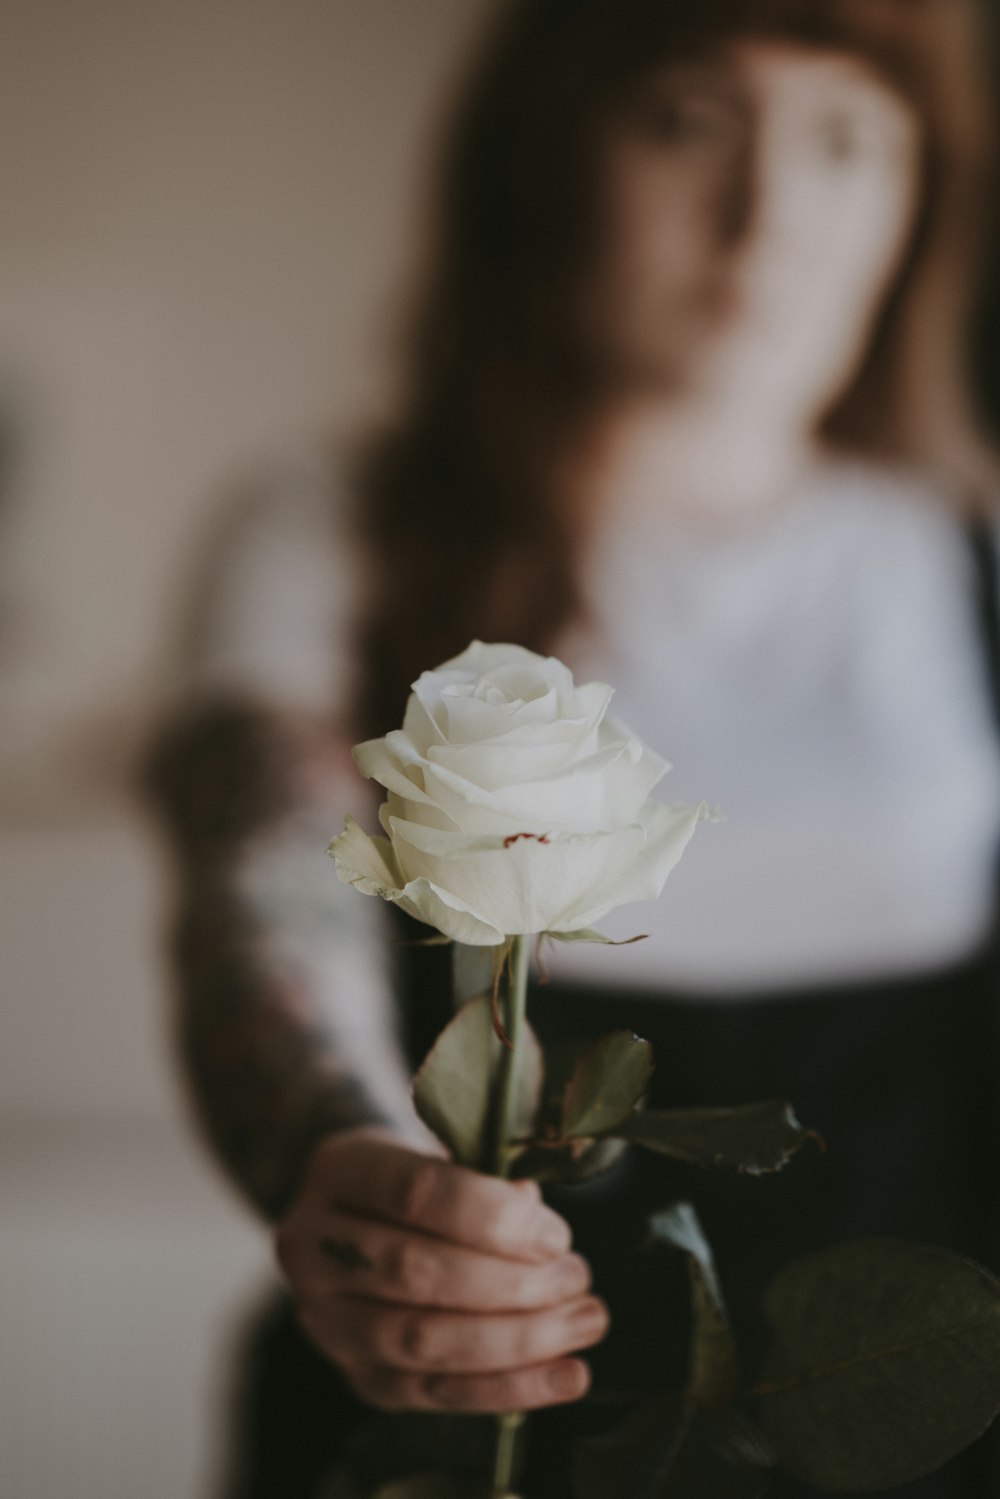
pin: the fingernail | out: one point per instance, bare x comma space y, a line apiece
553, 1234
568, 1381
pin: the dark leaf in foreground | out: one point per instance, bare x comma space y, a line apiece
885, 1363
714, 1369
668, 1450
453, 1089
755, 1138
608, 1081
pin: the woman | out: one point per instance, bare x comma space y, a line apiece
689, 407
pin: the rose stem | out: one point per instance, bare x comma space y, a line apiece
509, 1064
508, 1454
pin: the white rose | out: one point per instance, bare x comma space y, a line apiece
515, 803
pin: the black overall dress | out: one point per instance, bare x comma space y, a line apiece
901, 1080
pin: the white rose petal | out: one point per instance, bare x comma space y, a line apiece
668, 831
420, 724
369, 864
447, 914
516, 804
548, 882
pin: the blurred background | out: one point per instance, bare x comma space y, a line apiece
208, 213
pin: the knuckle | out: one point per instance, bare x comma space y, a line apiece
530, 1289
519, 1389
419, 1190
509, 1220
409, 1268
417, 1341
481, 1392
445, 1392
525, 1336
556, 1284
499, 1392
538, 1387
394, 1263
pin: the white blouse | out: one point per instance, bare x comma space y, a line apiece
819, 678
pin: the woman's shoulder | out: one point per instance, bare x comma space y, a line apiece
895, 492
900, 511
904, 548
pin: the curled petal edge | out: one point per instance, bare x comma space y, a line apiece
369, 864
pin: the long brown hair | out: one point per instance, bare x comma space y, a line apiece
459, 504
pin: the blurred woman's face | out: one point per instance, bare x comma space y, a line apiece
755, 209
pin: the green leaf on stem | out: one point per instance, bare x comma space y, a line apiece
574, 1161
885, 1362
606, 1084
667, 1449
754, 1138
714, 1367
453, 1090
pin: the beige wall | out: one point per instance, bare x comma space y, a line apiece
206, 211
206, 208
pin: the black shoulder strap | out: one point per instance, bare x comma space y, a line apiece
983, 535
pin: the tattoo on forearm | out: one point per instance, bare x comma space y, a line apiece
266, 1076
263, 1062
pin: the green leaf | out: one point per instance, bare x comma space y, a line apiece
669, 1450
605, 1086
885, 1362
714, 1375
550, 1157
587, 934
453, 1089
576, 1161
755, 1138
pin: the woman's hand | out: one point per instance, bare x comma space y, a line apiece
433, 1287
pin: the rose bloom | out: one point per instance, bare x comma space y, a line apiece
515, 805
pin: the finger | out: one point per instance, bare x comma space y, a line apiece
481, 1212
359, 1333
518, 1389
360, 1256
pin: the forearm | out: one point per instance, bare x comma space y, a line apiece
283, 1020
270, 1070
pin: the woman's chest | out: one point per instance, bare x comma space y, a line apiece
834, 703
